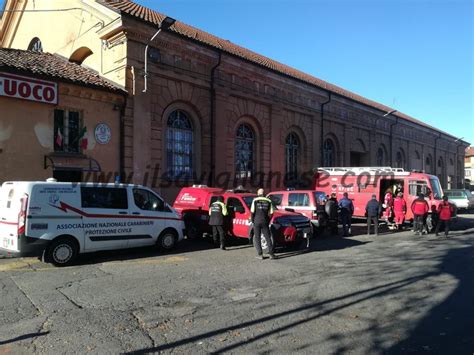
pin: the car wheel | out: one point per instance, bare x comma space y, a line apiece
62, 251
192, 232
167, 240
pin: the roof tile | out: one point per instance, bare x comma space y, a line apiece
52, 66
155, 18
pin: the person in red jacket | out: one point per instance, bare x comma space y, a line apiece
388, 205
399, 208
420, 208
445, 212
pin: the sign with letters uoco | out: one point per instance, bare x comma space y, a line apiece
26, 88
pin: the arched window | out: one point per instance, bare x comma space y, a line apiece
244, 152
179, 145
400, 159
380, 157
440, 163
428, 164
80, 55
292, 148
35, 45
329, 153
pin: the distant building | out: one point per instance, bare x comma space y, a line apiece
214, 110
469, 168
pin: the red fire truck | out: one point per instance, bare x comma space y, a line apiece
362, 182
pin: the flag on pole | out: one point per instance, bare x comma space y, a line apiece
59, 138
83, 139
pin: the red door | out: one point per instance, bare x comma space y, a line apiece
240, 215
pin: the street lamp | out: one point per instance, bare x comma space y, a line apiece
165, 24
389, 113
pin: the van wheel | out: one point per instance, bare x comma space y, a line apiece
62, 251
193, 232
167, 239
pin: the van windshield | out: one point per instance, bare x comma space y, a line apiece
436, 188
319, 197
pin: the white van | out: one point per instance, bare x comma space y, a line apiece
59, 220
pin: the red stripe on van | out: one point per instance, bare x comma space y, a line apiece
9, 223
65, 207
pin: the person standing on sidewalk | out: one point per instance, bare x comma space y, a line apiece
400, 209
262, 211
372, 210
217, 212
445, 212
346, 208
420, 208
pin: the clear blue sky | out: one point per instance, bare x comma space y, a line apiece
413, 55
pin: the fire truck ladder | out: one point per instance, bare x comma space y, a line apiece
363, 169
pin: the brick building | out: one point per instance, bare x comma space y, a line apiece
469, 168
214, 109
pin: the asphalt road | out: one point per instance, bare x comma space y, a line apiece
391, 294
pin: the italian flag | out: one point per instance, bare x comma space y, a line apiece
83, 142
59, 138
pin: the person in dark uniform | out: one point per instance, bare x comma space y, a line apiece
331, 208
217, 212
262, 211
372, 211
346, 208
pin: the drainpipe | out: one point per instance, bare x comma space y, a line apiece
391, 133
212, 119
322, 127
436, 154
121, 172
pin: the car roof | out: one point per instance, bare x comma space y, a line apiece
246, 194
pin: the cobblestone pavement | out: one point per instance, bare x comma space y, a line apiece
395, 293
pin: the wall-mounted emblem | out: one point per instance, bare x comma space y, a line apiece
102, 133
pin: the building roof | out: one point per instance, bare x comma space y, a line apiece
145, 14
470, 152
50, 66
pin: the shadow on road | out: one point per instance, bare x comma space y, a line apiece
23, 337
449, 327
314, 311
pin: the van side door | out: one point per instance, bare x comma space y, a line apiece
150, 216
105, 216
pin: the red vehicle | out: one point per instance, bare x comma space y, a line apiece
288, 228
362, 182
309, 203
